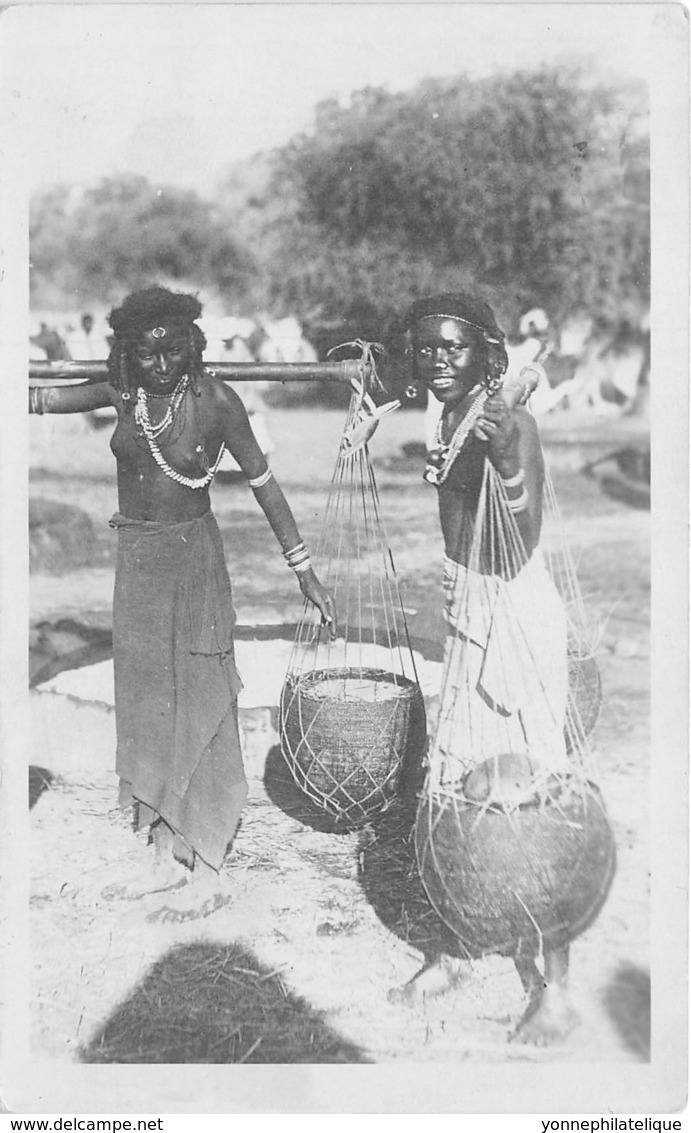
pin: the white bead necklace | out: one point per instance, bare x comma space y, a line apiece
436, 473
141, 409
151, 432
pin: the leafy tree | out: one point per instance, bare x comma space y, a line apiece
533, 186
53, 274
124, 233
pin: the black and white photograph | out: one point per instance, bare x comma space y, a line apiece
343, 591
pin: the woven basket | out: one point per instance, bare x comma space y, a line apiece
585, 692
346, 753
540, 873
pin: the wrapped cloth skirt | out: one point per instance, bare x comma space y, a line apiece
505, 679
176, 685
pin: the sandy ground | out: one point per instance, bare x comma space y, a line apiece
297, 967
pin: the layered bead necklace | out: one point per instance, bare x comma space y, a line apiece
443, 455
152, 432
141, 409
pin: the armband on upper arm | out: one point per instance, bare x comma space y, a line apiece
260, 481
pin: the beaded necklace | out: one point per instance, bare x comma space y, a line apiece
141, 409
151, 432
443, 456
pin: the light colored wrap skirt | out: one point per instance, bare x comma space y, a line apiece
505, 672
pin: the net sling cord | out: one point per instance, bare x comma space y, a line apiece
512, 839
351, 709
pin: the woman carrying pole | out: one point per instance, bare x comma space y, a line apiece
512, 843
178, 747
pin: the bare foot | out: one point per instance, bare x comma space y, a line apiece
434, 979
549, 1016
166, 872
200, 897
157, 877
548, 1019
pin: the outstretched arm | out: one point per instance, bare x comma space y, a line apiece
242, 444
70, 399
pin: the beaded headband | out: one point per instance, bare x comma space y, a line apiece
460, 319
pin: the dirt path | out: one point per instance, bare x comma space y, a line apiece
297, 967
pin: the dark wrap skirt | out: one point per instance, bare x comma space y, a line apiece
176, 685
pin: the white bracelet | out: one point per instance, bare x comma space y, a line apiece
520, 503
298, 558
295, 552
260, 481
514, 481
306, 564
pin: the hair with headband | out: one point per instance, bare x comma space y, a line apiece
143, 310
469, 309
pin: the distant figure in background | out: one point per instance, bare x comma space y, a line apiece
234, 339
87, 344
535, 324
50, 341
236, 349
231, 339
610, 365
533, 340
36, 352
534, 345
282, 340
622, 364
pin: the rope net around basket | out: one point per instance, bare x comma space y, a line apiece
352, 713
512, 838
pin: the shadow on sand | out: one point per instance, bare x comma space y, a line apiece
40, 780
210, 1003
287, 796
627, 1002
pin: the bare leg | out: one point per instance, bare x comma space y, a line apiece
549, 1016
435, 978
170, 847
166, 861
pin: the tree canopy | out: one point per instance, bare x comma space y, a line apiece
123, 233
533, 187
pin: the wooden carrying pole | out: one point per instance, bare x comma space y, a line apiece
59, 373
